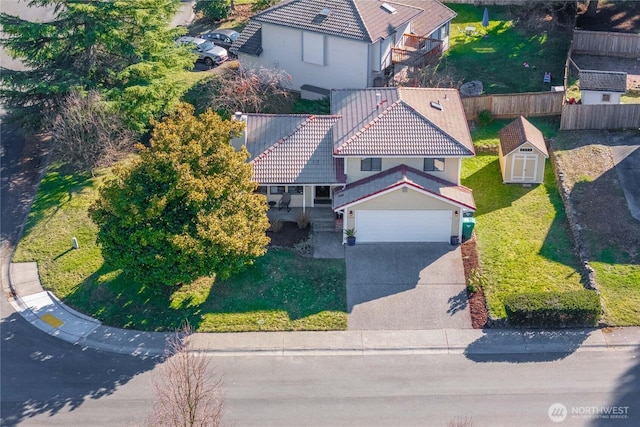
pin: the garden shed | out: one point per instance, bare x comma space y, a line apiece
602, 87
522, 153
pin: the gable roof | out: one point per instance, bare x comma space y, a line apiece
364, 20
249, 41
400, 176
288, 149
395, 121
519, 132
436, 15
611, 81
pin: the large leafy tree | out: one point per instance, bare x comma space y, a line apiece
123, 48
186, 208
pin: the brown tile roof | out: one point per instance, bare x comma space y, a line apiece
612, 81
288, 149
436, 14
364, 20
400, 122
399, 176
519, 132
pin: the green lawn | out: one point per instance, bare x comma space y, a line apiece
496, 55
522, 238
281, 291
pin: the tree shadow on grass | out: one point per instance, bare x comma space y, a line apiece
490, 192
281, 284
57, 188
40, 374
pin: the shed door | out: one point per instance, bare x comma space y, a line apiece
403, 226
524, 167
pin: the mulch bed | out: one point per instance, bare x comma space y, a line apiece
288, 235
477, 303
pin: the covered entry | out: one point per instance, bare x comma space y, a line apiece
403, 225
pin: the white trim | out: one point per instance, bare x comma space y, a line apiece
522, 176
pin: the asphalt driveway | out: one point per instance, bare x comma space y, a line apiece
406, 286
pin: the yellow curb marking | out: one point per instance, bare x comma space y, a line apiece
51, 320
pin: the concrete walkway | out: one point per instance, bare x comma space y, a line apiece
48, 314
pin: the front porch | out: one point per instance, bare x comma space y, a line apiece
322, 218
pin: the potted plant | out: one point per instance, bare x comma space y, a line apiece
351, 236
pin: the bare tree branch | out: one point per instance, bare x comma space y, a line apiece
187, 391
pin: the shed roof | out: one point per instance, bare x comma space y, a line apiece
609, 81
521, 131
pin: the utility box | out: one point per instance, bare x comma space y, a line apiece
468, 223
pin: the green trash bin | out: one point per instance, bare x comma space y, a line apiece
467, 227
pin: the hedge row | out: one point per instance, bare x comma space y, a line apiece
568, 309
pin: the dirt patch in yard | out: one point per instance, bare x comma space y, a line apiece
620, 16
288, 236
584, 158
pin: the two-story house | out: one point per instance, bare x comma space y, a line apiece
335, 44
387, 160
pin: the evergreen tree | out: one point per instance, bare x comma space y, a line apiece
187, 208
125, 49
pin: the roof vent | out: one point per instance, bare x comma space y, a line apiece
389, 8
325, 12
436, 105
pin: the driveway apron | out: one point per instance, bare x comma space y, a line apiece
406, 286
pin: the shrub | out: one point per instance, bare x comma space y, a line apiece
216, 10
303, 219
275, 226
553, 309
477, 280
485, 118
304, 248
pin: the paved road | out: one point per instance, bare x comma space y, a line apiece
348, 390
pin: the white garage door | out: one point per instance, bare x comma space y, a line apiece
403, 226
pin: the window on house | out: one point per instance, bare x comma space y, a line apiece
434, 165
297, 189
313, 48
371, 164
261, 189
277, 189
606, 97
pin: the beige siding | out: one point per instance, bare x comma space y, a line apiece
451, 172
503, 163
410, 200
508, 164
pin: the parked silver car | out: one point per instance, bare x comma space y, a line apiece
208, 52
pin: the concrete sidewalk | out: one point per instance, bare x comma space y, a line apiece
48, 314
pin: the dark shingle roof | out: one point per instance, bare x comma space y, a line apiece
400, 122
518, 132
364, 20
397, 177
287, 149
249, 41
611, 81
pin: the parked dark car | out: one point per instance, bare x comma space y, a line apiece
222, 37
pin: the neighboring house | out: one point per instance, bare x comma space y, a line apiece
335, 44
387, 160
602, 87
522, 153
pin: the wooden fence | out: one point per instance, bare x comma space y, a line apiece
619, 116
513, 105
625, 45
